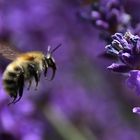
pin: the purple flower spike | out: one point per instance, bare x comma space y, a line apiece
127, 49
127, 59
136, 110
119, 68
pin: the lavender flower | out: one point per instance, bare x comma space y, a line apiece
110, 17
127, 49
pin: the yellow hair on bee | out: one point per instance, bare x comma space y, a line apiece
31, 58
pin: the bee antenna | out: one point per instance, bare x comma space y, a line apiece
49, 48
55, 48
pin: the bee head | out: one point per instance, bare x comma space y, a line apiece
50, 60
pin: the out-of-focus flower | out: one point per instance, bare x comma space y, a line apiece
19, 121
127, 49
136, 110
91, 109
109, 18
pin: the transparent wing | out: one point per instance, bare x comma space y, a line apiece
8, 52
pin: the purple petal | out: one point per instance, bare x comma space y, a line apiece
119, 68
95, 15
127, 59
102, 24
116, 44
134, 81
136, 110
136, 48
121, 39
111, 50
117, 36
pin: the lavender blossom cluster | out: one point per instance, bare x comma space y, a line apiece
109, 17
127, 49
114, 17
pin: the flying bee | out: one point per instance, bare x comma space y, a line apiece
25, 67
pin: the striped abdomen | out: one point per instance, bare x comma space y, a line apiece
10, 82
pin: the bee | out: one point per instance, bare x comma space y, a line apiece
25, 67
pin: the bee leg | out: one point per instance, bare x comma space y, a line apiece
53, 67
20, 86
45, 71
37, 78
35, 74
45, 68
30, 83
14, 96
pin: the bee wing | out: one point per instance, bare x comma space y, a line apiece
8, 52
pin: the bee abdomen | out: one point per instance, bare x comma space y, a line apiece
10, 82
12, 74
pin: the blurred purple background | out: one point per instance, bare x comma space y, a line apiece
84, 101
